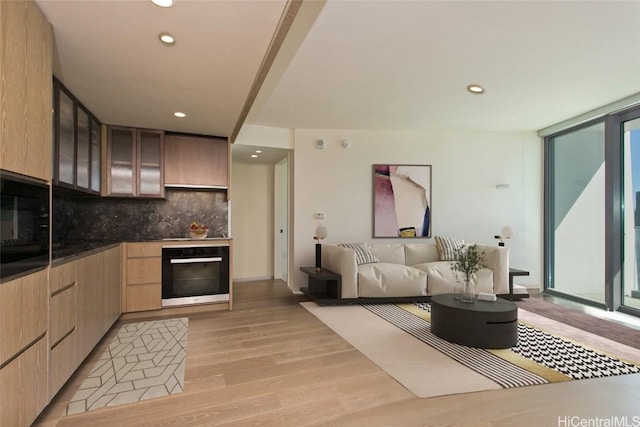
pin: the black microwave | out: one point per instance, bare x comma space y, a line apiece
24, 225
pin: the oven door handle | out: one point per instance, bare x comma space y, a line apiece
195, 260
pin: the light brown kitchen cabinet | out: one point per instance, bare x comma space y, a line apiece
25, 148
135, 162
63, 361
63, 303
112, 293
77, 160
88, 309
84, 303
23, 348
195, 161
142, 284
62, 315
23, 313
23, 386
143, 277
144, 270
26, 48
98, 298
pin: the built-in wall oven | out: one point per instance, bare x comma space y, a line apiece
193, 274
24, 225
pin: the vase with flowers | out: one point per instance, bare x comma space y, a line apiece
468, 261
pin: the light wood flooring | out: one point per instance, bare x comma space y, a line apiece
269, 362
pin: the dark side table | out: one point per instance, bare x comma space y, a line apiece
323, 285
513, 272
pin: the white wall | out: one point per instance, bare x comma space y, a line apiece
252, 199
466, 167
265, 136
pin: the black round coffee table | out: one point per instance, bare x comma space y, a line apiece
483, 324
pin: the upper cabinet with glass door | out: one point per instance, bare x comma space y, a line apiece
135, 160
76, 147
65, 139
83, 148
150, 163
96, 155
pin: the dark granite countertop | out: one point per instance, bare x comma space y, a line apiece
69, 252
61, 253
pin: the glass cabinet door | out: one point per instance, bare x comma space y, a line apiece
121, 179
65, 139
83, 150
150, 154
96, 154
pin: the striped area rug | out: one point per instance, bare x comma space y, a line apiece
538, 358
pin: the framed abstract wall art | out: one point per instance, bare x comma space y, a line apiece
401, 200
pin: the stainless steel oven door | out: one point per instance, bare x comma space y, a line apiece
195, 276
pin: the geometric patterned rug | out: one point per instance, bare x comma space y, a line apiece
145, 360
537, 358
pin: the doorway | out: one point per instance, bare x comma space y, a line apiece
281, 216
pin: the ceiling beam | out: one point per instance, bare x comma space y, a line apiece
286, 21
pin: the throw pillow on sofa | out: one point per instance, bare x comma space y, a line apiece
447, 247
363, 252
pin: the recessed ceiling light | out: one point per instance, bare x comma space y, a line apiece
258, 151
163, 3
167, 39
477, 89
179, 114
254, 155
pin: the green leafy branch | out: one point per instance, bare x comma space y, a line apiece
468, 261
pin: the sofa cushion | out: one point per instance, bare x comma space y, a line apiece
418, 253
390, 280
392, 253
447, 247
363, 252
442, 280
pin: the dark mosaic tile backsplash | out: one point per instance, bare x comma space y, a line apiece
84, 219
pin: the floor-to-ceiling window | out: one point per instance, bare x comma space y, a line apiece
592, 211
630, 135
575, 213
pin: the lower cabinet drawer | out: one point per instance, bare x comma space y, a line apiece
144, 270
23, 386
24, 313
144, 297
62, 363
62, 314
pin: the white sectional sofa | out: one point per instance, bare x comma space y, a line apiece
410, 270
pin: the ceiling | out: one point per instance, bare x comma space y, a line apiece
347, 64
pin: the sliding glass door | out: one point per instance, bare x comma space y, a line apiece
575, 215
592, 212
630, 135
